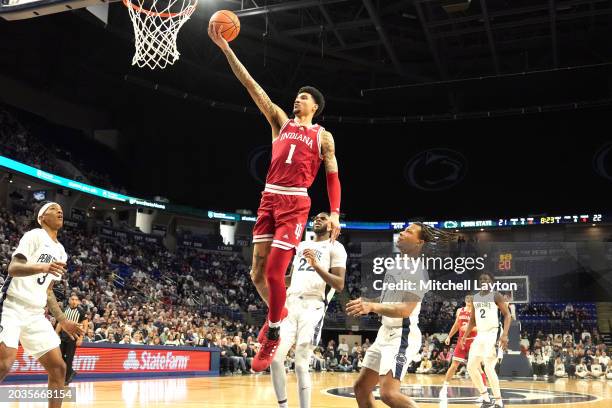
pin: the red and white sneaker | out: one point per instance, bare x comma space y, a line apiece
269, 346
264, 329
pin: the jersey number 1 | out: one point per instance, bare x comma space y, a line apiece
288, 161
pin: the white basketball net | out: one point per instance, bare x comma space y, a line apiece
156, 29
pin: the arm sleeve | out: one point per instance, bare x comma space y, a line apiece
333, 192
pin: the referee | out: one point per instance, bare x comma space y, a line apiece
76, 314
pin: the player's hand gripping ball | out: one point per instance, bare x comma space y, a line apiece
224, 24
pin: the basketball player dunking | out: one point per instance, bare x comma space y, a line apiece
460, 354
298, 148
318, 264
38, 261
484, 349
399, 339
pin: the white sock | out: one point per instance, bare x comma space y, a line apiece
277, 324
498, 401
279, 377
485, 396
303, 353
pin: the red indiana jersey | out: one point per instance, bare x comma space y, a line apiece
296, 158
464, 320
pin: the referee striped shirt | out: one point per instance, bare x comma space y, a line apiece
76, 315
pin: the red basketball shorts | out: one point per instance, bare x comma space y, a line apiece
281, 219
461, 353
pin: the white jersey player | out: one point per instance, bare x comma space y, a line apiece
38, 261
491, 336
399, 338
318, 264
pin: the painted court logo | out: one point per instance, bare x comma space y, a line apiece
469, 395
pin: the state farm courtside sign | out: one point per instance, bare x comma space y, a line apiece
108, 360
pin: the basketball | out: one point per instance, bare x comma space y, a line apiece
229, 21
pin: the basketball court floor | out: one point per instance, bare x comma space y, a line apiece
329, 390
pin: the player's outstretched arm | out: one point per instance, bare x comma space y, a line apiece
359, 307
402, 310
328, 150
275, 115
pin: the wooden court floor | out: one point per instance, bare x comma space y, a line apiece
329, 390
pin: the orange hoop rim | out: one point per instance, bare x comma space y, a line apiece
188, 10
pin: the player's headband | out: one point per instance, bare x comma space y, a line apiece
42, 211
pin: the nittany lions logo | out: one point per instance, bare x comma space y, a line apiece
469, 395
257, 166
401, 359
602, 161
436, 169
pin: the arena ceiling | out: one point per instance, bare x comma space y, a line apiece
429, 56
428, 74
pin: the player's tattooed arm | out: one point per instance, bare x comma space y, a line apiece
328, 151
73, 329
275, 115
53, 306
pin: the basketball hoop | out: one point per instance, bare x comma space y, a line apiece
156, 28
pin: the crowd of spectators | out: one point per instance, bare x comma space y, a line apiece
19, 142
136, 293
580, 353
144, 294
552, 311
